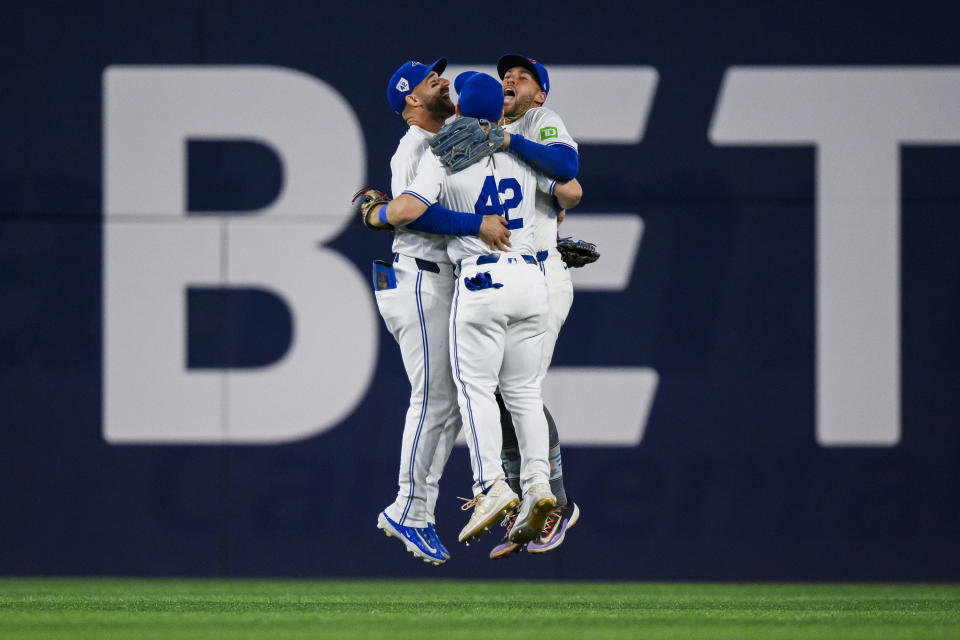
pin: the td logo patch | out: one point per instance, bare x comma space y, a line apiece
548, 132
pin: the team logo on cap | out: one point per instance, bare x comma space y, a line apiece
403, 85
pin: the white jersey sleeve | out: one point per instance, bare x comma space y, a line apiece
403, 164
545, 183
428, 180
543, 126
414, 146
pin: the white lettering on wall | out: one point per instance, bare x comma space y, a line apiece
857, 119
153, 252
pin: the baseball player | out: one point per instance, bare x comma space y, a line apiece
413, 295
526, 84
498, 318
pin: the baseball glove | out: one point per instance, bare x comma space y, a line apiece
372, 199
465, 140
577, 253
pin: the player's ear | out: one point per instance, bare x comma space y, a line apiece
412, 100
540, 97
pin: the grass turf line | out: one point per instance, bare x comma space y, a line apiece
200, 609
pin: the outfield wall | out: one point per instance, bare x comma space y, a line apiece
758, 380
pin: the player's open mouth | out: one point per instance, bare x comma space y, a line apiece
509, 93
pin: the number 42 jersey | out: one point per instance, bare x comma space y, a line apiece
499, 184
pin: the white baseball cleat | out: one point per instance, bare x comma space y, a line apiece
488, 508
537, 505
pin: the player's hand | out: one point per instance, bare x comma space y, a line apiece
370, 201
494, 232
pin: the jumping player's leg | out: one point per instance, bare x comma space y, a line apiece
416, 313
510, 454
567, 513
560, 299
520, 374
510, 451
445, 444
520, 387
477, 334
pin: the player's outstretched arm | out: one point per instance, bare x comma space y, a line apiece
558, 161
492, 229
568, 194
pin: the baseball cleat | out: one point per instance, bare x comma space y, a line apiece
554, 531
504, 548
415, 539
434, 540
487, 509
538, 502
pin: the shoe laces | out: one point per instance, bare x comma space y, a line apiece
552, 519
510, 519
470, 503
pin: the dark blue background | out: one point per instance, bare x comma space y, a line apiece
728, 482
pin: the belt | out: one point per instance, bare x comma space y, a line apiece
490, 258
423, 265
495, 257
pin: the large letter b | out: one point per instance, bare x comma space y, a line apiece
153, 252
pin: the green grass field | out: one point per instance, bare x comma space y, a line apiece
182, 609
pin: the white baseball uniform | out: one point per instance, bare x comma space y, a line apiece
499, 312
416, 311
544, 126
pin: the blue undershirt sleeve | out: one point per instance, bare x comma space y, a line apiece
557, 161
443, 221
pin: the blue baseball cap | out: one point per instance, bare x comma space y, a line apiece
409, 75
511, 60
463, 77
480, 96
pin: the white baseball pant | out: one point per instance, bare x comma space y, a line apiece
417, 311
497, 335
